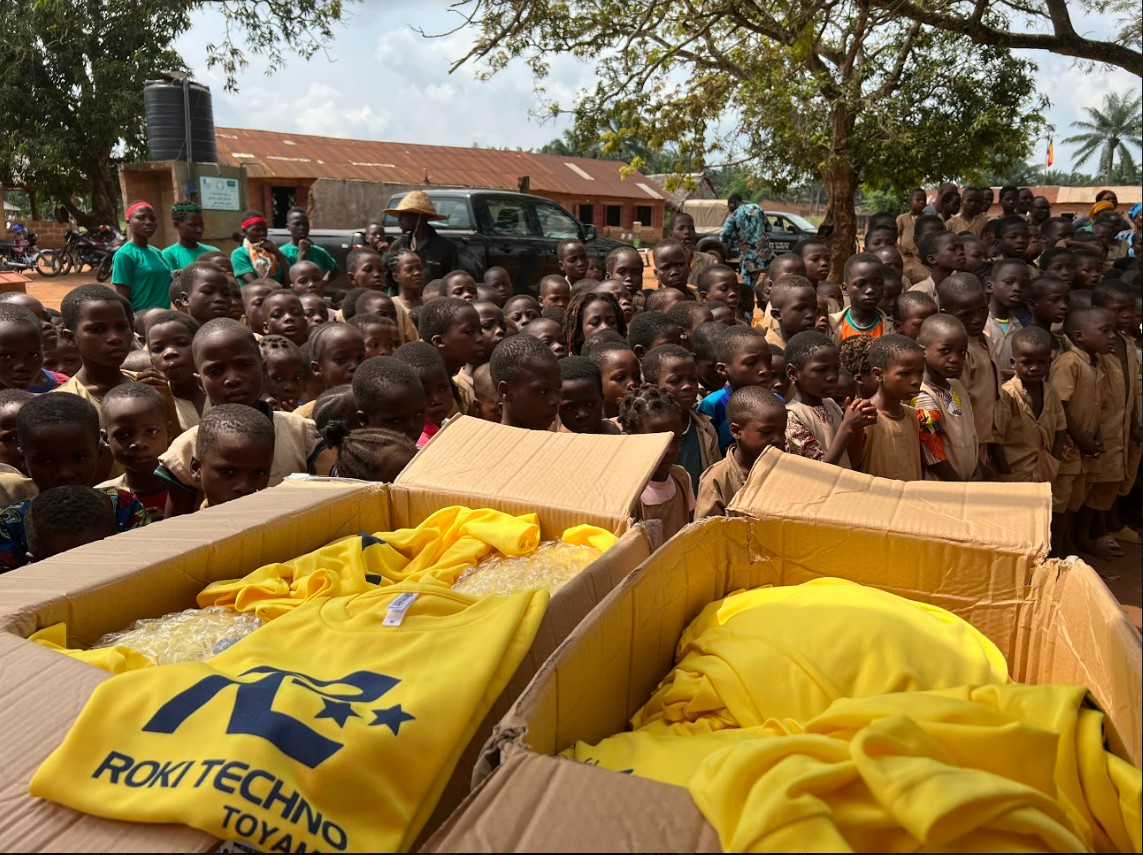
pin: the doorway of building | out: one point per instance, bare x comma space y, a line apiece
283, 200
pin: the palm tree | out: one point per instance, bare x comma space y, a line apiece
1112, 127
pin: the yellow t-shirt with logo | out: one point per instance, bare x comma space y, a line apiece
326, 729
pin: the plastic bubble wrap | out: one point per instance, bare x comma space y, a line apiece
193, 635
551, 566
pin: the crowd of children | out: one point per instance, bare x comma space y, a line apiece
956, 349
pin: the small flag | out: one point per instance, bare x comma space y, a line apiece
1051, 152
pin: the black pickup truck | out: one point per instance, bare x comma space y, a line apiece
516, 231
491, 228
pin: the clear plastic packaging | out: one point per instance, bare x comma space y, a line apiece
551, 566
193, 635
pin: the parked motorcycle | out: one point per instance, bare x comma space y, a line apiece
23, 254
88, 249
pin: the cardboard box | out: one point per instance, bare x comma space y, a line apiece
977, 550
567, 479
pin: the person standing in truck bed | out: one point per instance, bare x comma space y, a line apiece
413, 213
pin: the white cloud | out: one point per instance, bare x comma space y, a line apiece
381, 80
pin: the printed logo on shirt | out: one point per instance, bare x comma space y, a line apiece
253, 713
269, 808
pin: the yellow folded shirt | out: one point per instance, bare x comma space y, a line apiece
997, 768
117, 659
435, 552
789, 652
333, 728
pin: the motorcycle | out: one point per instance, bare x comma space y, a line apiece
93, 250
23, 254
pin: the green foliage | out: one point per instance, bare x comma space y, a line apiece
71, 91
844, 93
1111, 131
879, 199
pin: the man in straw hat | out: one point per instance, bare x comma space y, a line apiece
413, 213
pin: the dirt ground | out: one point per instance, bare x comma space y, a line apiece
1123, 576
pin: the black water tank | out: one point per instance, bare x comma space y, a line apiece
166, 121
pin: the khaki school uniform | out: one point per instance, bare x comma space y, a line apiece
306, 410
76, 388
405, 326
958, 224
718, 486
906, 223
958, 429
188, 414
675, 513
464, 390
297, 448
1105, 480
774, 338
1026, 437
811, 430
926, 286
700, 261
709, 453
1132, 414
1079, 382
916, 271
893, 446
982, 379
1000, 343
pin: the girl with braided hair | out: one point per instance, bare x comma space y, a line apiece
668, 496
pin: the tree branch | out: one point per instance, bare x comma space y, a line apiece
1062, 40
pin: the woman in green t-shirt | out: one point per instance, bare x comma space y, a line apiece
186, 217
258, 257
138, 270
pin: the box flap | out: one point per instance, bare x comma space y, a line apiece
535, 803
1012, 518
481, 460
1073, 631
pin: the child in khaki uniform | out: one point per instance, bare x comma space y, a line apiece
757, 421
948, 433
893, 444
817, 426
1119, 424
794, 303
1030, 422
1079, 379
668, 496
230, 364
963, 297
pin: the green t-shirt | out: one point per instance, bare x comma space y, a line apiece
316, 254
145, 272
241, 262
178, 256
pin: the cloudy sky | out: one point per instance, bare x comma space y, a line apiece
382, 80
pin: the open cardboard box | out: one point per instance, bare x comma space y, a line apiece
977, 550
567, 479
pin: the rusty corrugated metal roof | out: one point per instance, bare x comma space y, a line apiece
271, 154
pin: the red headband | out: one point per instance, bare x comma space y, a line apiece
136, 207
253, 221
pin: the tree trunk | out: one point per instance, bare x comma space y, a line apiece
104, 196
104, 191
839, 174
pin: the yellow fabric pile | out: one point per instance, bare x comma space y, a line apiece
437, 552
834, 717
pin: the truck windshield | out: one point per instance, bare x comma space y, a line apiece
456, 209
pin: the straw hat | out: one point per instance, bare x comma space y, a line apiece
416, 202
